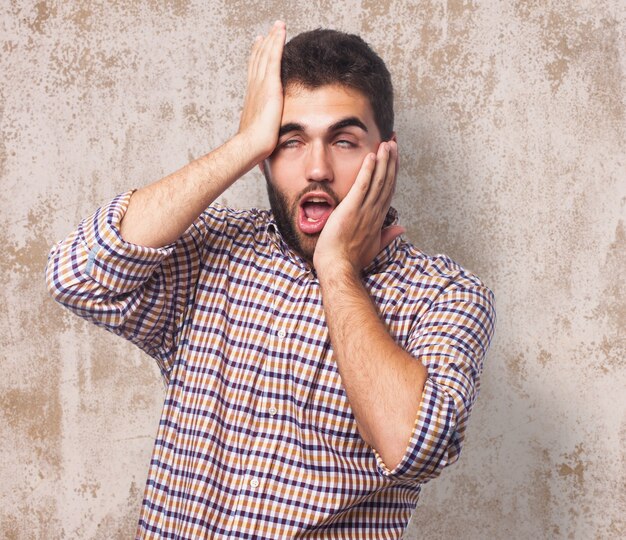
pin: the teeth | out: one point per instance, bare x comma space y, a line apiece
316, 200
312, 220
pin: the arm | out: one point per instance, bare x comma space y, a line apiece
411, 405
384, 396
132, 266
159, 213
383, 382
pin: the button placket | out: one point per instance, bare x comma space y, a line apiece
274, 383
256, 467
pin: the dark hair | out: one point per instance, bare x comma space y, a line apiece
320, 57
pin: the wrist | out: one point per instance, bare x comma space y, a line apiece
252, 147
337, 271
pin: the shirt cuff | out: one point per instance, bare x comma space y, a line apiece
117, 265
434, 442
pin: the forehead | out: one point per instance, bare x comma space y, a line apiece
317, 108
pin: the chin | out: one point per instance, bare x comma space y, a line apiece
307, 248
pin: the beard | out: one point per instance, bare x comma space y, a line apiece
286, 215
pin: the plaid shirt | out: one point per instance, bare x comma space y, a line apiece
257, 438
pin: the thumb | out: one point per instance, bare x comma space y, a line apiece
389, 234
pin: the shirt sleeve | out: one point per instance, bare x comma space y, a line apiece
451, 340
137, 292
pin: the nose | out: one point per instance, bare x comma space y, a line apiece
318, 166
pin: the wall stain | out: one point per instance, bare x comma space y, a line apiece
178, 8
90, 488
36, 413
196, 115
541, 499
3, 149
517, 372
44, 12
375, 10
611, 308
574, 467
76, 64
10, 527
23, 263
43, 524
544, 357
259, 14
167, 111
606, 74
83, 18
120, 523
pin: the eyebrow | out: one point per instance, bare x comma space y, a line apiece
341, 124
347, 122
291, 126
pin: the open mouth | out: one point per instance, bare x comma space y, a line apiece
313, 212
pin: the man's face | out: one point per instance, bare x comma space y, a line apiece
324, 137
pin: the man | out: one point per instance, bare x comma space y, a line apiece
319, 368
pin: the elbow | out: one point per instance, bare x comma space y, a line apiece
392, 447
435, 441
54, 286
61, 277
444, 450
441, 429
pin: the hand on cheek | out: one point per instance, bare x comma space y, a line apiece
353, 234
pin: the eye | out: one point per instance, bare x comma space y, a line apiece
290, 143
344, 143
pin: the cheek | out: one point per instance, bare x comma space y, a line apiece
279, 174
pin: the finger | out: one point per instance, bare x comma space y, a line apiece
387, 187
379, 176
361, 185
257, 56
269, 45
392, 175
262, 60
276, 53
253, 56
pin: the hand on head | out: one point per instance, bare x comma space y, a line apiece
263, 105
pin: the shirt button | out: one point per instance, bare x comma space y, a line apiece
272, 411
254, 483
282, 333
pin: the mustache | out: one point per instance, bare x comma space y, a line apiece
319, 186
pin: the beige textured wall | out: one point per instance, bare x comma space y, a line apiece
511, 121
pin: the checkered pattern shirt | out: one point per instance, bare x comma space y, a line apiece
257, 438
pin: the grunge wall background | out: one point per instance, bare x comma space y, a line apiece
511, 122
